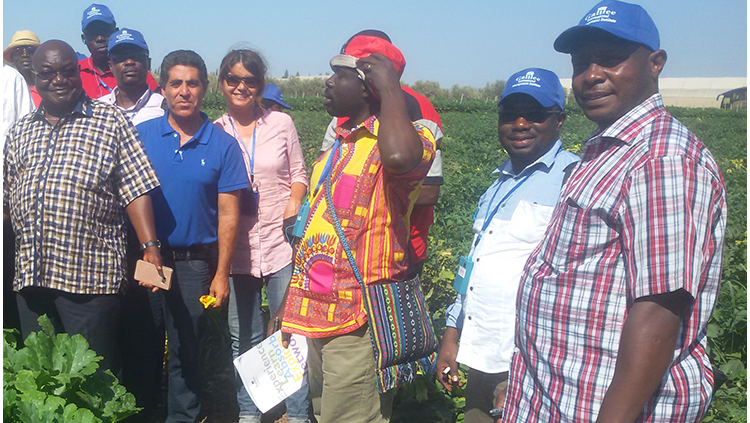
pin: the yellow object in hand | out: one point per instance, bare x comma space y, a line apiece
207, 301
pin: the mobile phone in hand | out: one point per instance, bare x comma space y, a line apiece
146, 272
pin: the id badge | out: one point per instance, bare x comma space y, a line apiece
249, 202
461, 282
299, 224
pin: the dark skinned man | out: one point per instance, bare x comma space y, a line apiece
511, 218
97, 24
614, 304
73, 169
375, 169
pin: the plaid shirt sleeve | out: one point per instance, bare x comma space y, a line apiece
670, 201
135, 174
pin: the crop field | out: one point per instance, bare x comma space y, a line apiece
470, 153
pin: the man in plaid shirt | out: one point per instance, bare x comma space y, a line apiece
613, 306
72, 170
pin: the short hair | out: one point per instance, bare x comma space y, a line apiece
184, 58
251, 60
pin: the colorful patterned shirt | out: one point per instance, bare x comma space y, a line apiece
373, 207
67, 187
644, 213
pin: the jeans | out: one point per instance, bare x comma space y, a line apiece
95, 317
184, 321
247, 329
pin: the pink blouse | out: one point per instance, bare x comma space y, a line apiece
261, 248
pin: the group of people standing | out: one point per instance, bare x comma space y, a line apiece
585, 296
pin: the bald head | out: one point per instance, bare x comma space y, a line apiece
57, 77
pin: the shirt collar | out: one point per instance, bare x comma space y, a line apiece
371, 124
627, 128
139, 104
547, 161
83, 107
202, 136
87, 64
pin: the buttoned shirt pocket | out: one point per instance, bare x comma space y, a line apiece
85, 169
529, 222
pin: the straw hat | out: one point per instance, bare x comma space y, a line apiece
20, 38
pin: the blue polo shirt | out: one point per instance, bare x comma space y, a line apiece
191, 176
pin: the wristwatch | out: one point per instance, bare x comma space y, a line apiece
155, 243
496, 412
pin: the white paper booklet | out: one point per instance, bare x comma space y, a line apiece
270, 372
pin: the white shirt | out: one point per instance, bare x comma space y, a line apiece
486, 313
147, 107
16, 99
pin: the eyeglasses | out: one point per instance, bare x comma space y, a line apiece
535, 116
137, 56
18, 51
234, 81
49, 75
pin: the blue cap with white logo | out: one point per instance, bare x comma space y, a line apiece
126, 36
273, 93
97, 12
543, 85
624, 20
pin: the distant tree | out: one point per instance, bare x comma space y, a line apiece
297, 73
429, 89
493, 90
286, 73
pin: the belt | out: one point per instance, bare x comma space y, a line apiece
204, 252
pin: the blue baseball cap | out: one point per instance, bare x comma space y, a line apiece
273, 93
126, 36
624, 20
97, 12
543, 85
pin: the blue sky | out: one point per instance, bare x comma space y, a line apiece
465, 43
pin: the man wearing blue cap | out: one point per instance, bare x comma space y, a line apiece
511, 218
129, 63
614, 304
97, 24
273, 99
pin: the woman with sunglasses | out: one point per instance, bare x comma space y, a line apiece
278, 179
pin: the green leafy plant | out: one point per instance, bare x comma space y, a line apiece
55, 378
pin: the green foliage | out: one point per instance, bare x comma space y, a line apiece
471, 152
54, 378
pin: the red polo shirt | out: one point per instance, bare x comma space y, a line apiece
99, 84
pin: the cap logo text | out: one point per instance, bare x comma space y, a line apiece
602, 14
93, 12
527, 79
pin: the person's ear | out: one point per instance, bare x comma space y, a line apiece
560, 120
83, 38
656, 61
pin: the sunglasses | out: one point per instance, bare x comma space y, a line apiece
49, 75
234, 81
535, 116
23, 49
137, 56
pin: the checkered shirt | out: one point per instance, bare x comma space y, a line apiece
644, 213
66, 187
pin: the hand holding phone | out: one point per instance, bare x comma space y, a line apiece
146, 272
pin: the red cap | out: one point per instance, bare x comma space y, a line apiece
363, 46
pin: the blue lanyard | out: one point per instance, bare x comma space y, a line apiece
329, 164
99, 78
242, 145
488, 218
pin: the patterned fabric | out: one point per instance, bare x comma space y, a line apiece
66, 187
644, 213
404, 340
324, 296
